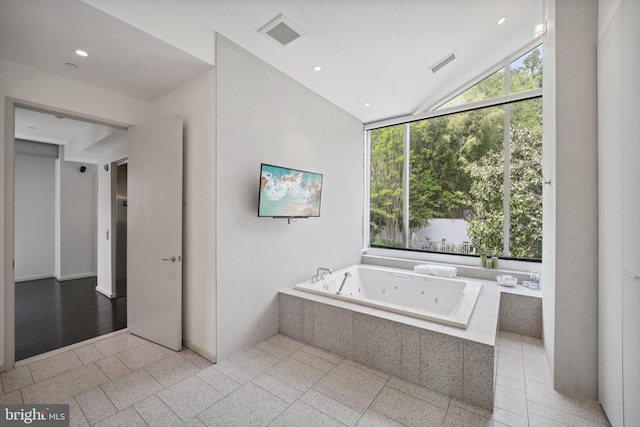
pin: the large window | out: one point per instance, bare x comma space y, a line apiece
468, 181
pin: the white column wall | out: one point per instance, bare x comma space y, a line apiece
195, 102
116, 151
76, 220
265, 116
610, 219
571, 287
34, 220
549, 190
619, 233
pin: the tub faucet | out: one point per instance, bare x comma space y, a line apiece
319, 276
346, 276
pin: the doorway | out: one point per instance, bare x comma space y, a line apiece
79, 296
120, 236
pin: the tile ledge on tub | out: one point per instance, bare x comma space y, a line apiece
491, 286
469, 271
475, 335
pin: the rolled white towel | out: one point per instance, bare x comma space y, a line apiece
436, 270
422, 269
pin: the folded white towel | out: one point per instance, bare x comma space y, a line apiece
436, 270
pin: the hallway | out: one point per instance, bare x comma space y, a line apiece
52, 314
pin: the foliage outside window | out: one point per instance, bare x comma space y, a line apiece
458, 166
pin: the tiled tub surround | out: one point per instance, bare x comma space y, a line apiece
521, 313
457, 362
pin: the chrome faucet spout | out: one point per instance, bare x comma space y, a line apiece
324, 270
346, 276
319, 276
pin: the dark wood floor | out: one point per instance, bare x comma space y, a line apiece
52, 314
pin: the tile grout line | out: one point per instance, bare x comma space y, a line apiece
526, 397
173, 412
568, 413
81, 410
463, 371
319, 357
378, 394
278, 397
105, 393
130, 371
31, 373
135, 410
329, 397
579, 415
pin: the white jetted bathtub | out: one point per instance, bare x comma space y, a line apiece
439, 299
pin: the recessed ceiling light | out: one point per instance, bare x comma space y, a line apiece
367, 104
82, 53
317, 68
501, 20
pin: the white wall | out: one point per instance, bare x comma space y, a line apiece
34, 221
76, 220
35, 86
195, 102
610, 218
606, 11
575, 295
117, 151
264, 116
619, 201
549, 191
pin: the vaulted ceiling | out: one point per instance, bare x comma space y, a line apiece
376, 52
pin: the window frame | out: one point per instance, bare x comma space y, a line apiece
505, 100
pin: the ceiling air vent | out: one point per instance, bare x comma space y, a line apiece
282, 31
440, 64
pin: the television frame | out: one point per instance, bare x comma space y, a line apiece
289, 217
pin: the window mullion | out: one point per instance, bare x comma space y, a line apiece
405, 188
507, 161
367, 189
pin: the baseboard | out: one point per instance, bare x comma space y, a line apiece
105, 293
201, 351
73, 277
26, 279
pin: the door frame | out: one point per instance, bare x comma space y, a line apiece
113, 171
8, 147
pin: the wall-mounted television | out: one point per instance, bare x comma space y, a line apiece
289, 193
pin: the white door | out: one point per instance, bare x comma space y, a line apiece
154, 232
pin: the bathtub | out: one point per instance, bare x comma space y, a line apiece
447, 301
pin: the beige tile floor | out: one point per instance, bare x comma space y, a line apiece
123, 380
